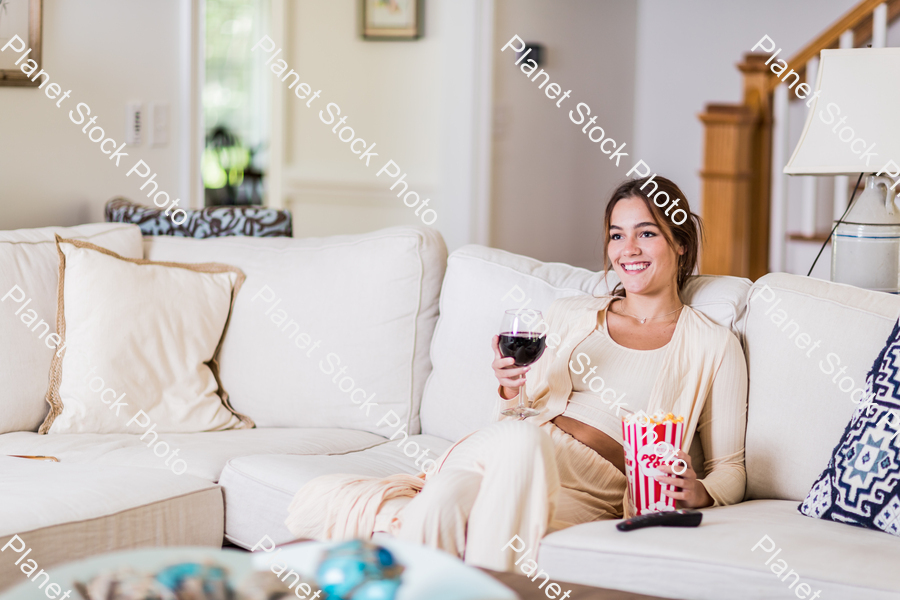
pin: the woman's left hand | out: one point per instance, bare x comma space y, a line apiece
692, 493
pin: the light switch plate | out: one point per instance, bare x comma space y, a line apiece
159, 127
134, 123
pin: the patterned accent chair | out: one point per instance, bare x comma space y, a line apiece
216, 221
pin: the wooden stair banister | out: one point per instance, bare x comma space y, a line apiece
863, 32
727, 177
858, 18
737, 168
759, 100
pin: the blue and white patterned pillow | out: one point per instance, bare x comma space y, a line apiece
861, 485
209, 222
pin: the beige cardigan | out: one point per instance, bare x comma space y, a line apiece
698, 352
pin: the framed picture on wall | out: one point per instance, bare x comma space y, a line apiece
392, 19
20, 18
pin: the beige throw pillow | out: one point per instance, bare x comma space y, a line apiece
140, 341
29, 267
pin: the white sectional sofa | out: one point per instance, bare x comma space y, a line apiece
413, 327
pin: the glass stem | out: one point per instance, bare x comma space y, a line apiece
523, 399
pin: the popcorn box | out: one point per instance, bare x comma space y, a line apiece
642, 433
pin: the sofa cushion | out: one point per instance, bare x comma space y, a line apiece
64, 511
204, 453
809, 345
717, 560
259, 489
28, 259
479, 285
324, 324
861, 484
147, 331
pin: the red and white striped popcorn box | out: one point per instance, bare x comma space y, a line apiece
644, 453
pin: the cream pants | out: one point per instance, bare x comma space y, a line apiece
512, 478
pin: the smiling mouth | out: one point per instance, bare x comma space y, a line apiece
635, 267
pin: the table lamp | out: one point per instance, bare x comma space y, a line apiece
853, 127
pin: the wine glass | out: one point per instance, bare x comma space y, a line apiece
519, 338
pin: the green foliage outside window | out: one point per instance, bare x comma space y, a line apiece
235, 105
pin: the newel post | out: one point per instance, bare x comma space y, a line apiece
726, 189
758, 97
735, 179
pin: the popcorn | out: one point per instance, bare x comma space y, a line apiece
643, 435
642, 418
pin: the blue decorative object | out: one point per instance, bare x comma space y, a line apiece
359, 570
214, 578
861, 485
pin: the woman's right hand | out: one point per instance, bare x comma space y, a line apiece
511, 377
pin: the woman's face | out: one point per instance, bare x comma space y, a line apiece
638, 251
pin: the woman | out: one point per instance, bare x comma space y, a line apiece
565, 466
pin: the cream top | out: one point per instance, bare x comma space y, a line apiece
609, 379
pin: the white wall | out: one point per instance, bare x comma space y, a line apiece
686, 56
417, 100
390, 93
647, 68
550, 182
650, 68
108, 53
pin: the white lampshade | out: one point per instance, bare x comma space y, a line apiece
863, 84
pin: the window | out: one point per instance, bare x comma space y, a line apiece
235, 103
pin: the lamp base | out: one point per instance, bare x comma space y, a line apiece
867, 256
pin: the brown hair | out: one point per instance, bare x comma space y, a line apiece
680, 228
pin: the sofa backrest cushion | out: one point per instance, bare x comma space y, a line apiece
318, 319
479, 285
809, 345
28, 259
212, 221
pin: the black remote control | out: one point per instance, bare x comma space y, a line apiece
672, 518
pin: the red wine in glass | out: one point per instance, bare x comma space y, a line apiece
524, 347
520, 339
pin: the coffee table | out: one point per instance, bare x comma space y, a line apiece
528, 590
239, 562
